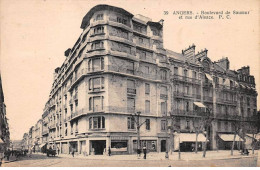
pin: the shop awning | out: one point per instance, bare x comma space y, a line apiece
230, 137
236, 84
209, 77
191, 137
199, 104
226, 82
42, 145
1, 141
256, 136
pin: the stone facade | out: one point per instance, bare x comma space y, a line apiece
118, 67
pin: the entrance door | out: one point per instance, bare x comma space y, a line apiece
163, 145
99, 146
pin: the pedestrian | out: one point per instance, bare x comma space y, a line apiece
144, 150
72, 152
192, 147
8, 154
109, 151
58, 149
139, 152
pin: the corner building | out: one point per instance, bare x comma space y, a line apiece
118, 67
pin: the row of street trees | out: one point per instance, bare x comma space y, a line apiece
201, 123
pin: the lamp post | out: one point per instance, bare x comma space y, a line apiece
138, 126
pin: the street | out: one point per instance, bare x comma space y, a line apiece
40, 160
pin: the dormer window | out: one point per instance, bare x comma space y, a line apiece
99, 17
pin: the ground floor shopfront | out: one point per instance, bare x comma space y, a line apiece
126, 143
99, 145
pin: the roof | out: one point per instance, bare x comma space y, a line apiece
175, 55
96, 8
155, 24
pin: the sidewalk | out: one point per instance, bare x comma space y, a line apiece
11, 159
185, 156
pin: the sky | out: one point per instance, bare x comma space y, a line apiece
35, 33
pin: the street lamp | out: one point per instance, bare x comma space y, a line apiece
138, 126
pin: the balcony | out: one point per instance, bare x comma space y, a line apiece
186, 79
52, 126
197, 96
45, 132
208, 98
131, 91
144, 46
164, 96
226, 101
207, 84
78, 113
230, 116
147, 59
178, 94
178, 112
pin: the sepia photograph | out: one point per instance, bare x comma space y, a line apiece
129, 83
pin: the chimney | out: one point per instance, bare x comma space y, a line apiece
189, 52
67, 52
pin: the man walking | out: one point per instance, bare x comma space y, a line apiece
144, 150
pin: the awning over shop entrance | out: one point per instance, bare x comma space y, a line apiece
1, 141
191, 137
255, 136
209, 77
230, 137
42, 145
199, 104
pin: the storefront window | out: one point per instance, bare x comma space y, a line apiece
119, 146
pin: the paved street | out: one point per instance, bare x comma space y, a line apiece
40, 160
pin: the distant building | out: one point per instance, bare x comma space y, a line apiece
4, 127
119, 67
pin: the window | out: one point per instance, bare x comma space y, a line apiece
219, 126
248, 112
163, 124
176, 71
226, 126
131, 123
187, 89
163, 74
187, 125
71, 108
96, 103
76, 131
141, 41
131, 87
155, 32
146, 70
185, 73
130, 67
99, 17
96, 64
147, 88
97, 45
248, 101
96, 84
98, 30
187, 105
97, 122
121, 20
147, 106
164, 90
130, 105
147, 124
163, 108
142, 54
194, 74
